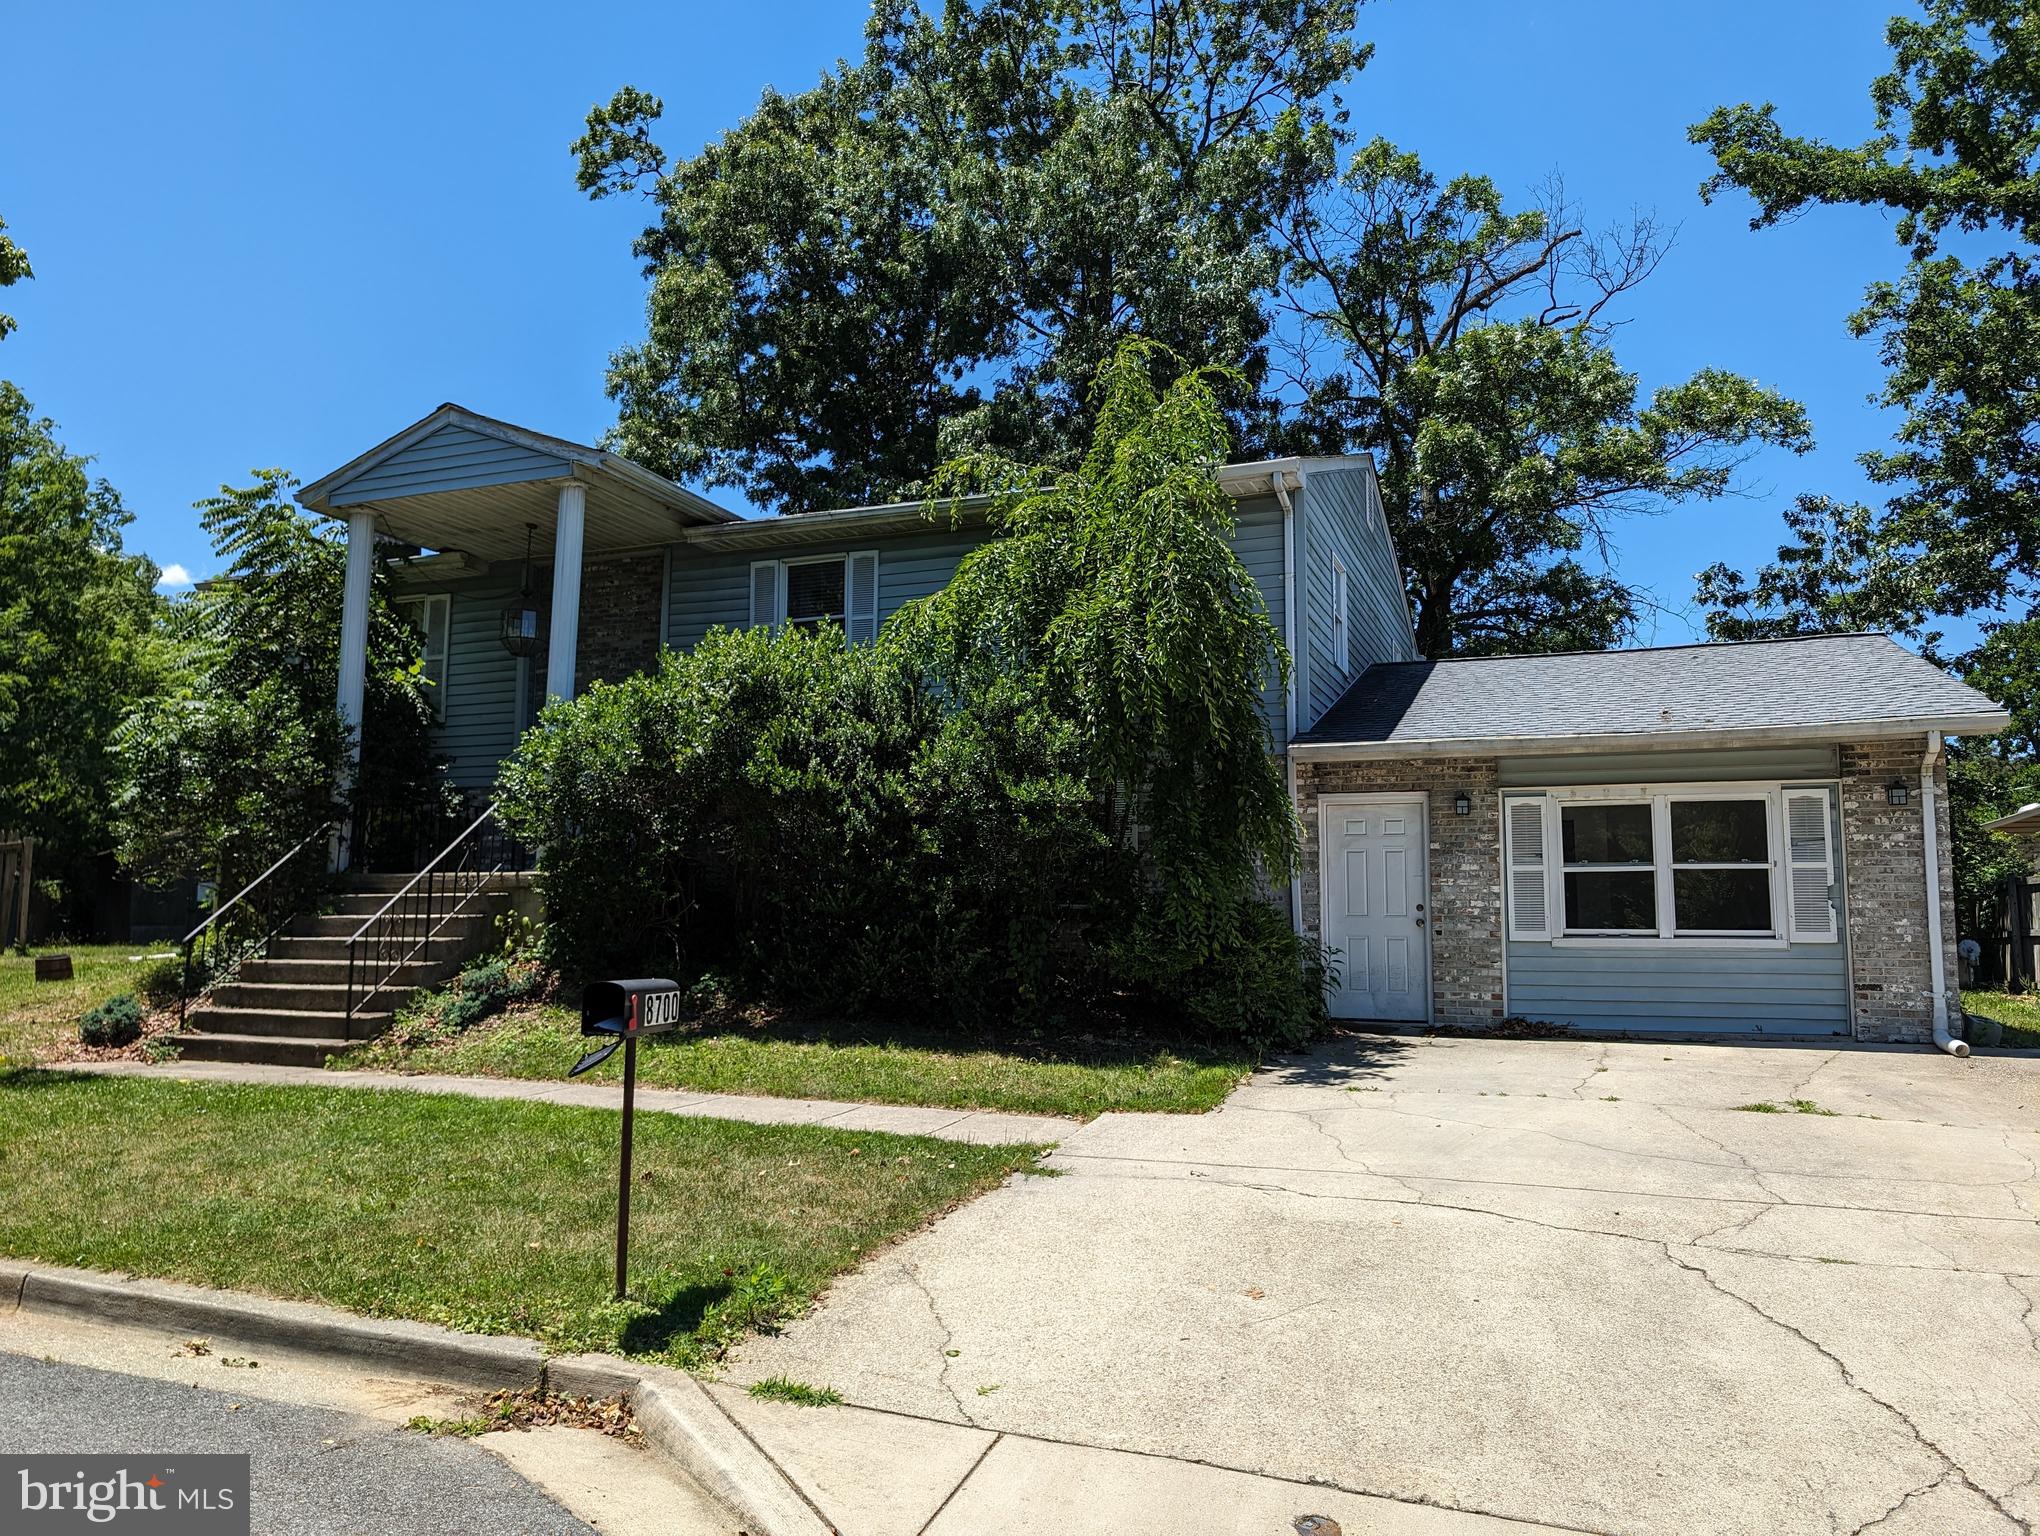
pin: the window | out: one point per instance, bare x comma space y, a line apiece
1700, 862
1610, 867
814, 592
830, 589
431, 617
1721, 866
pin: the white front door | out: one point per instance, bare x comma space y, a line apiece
1376, 896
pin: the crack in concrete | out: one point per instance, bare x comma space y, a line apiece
1338, 1145
1429, 1203
1954, 1468
948, 1342
1583, 1189
1901, 1504
1826, 1062
1600, 1064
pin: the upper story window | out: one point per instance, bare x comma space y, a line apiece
814, 590
432, 618
1742, 862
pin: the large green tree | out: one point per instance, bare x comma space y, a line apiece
76, 646
241, 759
936, 248
13, 268
1956, 157
1467, 345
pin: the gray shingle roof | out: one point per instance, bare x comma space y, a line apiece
1814, 684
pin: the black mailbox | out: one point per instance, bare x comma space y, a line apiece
649, 1005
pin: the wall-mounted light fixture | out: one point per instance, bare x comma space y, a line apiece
1898, 792
1462, 805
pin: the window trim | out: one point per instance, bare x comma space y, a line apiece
849, 620
441, 687
1660, 797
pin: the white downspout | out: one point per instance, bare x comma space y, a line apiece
1930, 836
1289, 702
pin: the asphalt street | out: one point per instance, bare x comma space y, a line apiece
317, 1471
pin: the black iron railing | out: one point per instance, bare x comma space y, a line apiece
241, 929
406, 924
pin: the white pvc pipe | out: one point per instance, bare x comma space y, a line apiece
1930, 835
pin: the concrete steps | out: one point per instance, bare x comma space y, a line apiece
289, 1008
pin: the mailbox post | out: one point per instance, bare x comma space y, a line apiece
625, 1010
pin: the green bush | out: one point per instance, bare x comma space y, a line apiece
1043, 795
115, 1022
160, 982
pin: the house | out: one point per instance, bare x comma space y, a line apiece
1709, 839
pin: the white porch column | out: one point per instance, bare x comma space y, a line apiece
353, 657
566, 590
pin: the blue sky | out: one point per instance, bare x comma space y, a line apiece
273, 235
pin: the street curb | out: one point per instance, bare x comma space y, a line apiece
678, 1417
421, 1349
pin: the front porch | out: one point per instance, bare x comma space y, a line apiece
558, 551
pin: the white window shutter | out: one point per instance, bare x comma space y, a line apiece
764, 593
1810, 867
860, 597
1529, 878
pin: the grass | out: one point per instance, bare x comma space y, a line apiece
495, 1217
1789, 1107
783, 1389
805, 1061
36, 1016
2018, 1012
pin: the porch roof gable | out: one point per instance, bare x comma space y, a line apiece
457, 479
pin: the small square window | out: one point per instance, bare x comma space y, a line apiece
814, 591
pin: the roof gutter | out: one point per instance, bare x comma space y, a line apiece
1981, 723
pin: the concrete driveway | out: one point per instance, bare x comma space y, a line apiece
1554, 1281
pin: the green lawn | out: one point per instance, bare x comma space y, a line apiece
1079, 1079
495, 1217
34, 1016
2019, 1012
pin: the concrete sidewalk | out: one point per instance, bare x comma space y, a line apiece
886, 1474
980, 1127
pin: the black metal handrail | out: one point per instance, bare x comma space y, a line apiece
216, 950
410, 920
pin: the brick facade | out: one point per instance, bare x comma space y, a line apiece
619, 617
1883, 856
1465, 871
1882, 862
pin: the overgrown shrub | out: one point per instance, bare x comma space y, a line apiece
115, 1022
1045, 793
160, 981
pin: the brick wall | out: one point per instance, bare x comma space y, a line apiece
1466, 872
619, 617
1883, 853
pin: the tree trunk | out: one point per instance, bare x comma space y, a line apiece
1434, 618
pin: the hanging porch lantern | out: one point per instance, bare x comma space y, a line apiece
520, 619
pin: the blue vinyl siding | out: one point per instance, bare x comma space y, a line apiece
1257, 540
1339, 512
451, 459
713, 587
1800, 989
482, 715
